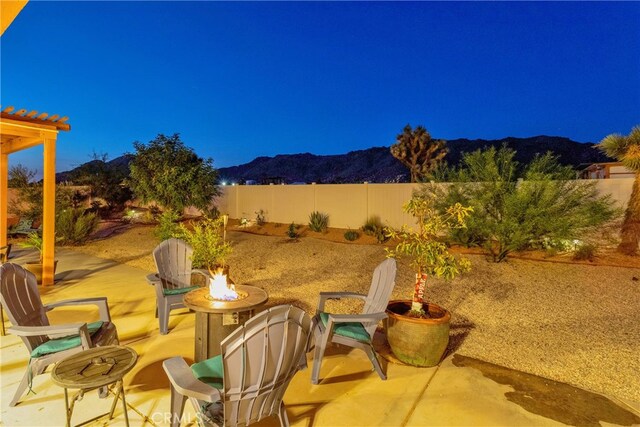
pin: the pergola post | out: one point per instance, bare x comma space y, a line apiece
4, 197
48, 211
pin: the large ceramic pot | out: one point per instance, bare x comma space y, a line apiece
35, 267
417, 342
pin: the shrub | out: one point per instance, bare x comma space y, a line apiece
167, 225
511, 215
586, 251
205, 237
291, 231
74, 226
373, 227
318, 221
351, 235
260, 217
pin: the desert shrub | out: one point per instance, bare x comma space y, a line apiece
351, 235
167, 225
260, 217
318, 221
292, 231
206, 238
512, 214
586, 251
373, 227
74, 226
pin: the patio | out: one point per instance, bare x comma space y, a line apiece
461, 391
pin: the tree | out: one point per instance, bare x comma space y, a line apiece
105, 181
418, 151
169, 173
20, 176
510, 214
626, 149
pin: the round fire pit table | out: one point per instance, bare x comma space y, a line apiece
216, 319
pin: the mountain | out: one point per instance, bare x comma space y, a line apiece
118, 164
378, 165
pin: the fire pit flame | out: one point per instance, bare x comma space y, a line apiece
220, 290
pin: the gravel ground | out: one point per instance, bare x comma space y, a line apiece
571, 323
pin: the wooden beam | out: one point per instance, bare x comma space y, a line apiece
8, 12
18, 116
4, 197
18, 144
48, 211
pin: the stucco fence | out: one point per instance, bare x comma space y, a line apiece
348, 205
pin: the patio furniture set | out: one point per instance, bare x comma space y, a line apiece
244, 362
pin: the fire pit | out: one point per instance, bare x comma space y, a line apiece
220, 308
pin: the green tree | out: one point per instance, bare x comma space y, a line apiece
169, 173
627, 150
418, 151
20, 176
105, 181
512, 214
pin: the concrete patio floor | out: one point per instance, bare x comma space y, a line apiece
461, 391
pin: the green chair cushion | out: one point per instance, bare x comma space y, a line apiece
353, 330
209, 371
64, 343
178, 291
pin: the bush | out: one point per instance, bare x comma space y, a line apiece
512, 215
351, 235
74, 226
373, 227
260, 217
318, 221
205, 237
585, 252
291, 231
167, 225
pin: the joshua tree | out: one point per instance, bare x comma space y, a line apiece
627, 150
418, 151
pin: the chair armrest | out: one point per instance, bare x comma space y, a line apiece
153, 278
185, 383
202, 272
101, 302
324, 296
369, 317
55, 331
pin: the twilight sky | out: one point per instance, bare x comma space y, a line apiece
245, 79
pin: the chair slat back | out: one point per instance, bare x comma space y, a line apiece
382, 284
173, 261
260, 359
21, 300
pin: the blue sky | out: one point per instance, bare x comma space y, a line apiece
240, 80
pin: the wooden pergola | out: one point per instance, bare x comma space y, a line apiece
20, 130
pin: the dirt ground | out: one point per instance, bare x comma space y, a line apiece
567, 321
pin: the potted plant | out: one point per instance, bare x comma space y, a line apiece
34, 240
210, 248
417, 331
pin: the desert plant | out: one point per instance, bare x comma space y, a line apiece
373, 227
167, 225
33, 241
429, 255
418, 151
585, 252
75, 225
627, 150
210, 250
318, 221
260, 217
512, 214
170, 173
351, 235
292, 231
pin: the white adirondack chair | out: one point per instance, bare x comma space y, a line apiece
247, 382
48, 344
354, 330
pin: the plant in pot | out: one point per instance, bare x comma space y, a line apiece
417, 331
34, 241
210, 248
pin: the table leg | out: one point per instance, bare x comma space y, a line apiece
115, 401
124, 405
66, 408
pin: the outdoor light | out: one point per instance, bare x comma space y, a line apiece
220, 290
224, 182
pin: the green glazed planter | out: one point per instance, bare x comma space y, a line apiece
417, 342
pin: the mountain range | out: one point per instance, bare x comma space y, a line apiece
376, 164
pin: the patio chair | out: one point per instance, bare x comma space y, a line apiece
174, 278
354, 330
247, 382
4, 257
48, 344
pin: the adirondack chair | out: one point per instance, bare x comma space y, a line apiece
247, 382
46, 343
354, 330
174, 278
